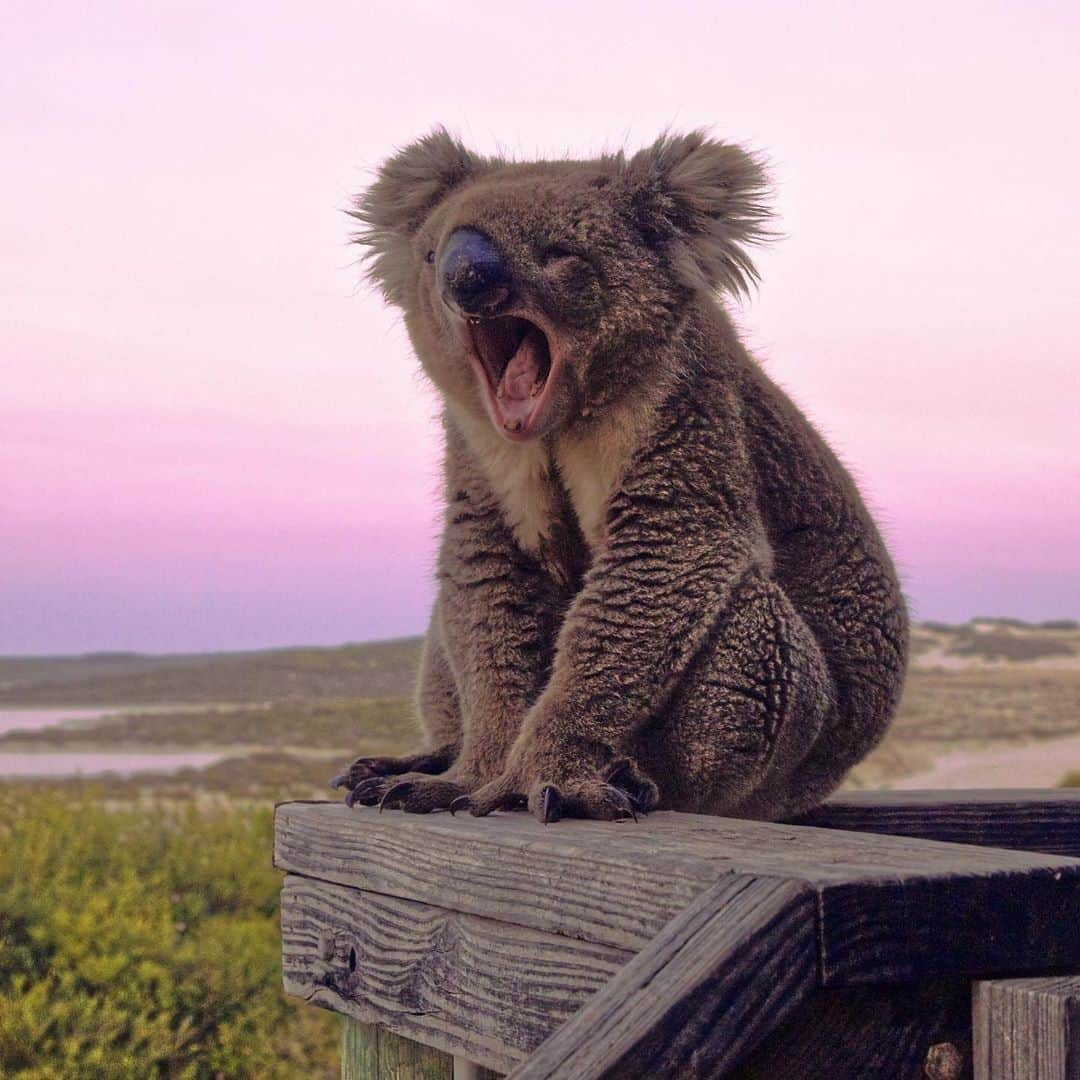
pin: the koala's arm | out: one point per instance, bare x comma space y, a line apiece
489, 645
683, 531
499, 607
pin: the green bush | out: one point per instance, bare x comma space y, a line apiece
1071, 779
143, 941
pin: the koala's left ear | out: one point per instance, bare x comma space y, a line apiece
704, 201
408, 187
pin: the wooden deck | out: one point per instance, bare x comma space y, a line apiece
688, 946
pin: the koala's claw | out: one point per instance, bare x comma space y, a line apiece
370, 768
550, 804
620, 793
624, 774
627, 802
415, 793
592, 799
364, 769
462, 802
394, 793
495, 797
367, 792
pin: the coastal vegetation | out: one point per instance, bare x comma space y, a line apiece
138, 912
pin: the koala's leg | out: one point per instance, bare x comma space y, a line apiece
737, 730
500, 608
440, 717
496, 654
846, 590
437, 701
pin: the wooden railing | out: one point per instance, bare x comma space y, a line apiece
887, 934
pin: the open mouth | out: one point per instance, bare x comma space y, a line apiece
515, 359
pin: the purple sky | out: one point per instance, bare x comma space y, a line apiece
212, 437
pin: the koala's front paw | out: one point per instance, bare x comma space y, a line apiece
415, 793
364, 768
614, 793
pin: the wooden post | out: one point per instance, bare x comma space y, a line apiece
369, 1052
669, 944
699, 997
1027, 1029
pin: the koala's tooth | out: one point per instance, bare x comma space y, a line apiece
473, 320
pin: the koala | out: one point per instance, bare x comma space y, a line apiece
657, 585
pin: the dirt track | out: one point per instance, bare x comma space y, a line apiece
1038, 764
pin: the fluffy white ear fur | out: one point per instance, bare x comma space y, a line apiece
705, 200
406, 190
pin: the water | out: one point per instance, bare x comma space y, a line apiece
36, 719
63, 763
53, 763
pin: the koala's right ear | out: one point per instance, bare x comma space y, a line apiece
704, 201
407, 189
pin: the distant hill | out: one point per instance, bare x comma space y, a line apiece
383, 669
387, 669
996, 641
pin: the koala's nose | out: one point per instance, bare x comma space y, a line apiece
472, 273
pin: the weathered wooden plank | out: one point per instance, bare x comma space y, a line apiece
466, 1070
1027, 1029
704, 992
490, 992
359, 1050
371, 1053
600, 885
855, 1033
916, 929
892, 907
1045, 820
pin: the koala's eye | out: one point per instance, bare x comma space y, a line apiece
430, 257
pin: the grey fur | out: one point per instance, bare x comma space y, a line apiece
673, 594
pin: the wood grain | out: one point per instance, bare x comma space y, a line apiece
598, 885
1027, 1029
891, 908
1024, 820
912, 929
857, 1033
370, 1053
360, 1050
704, 992
488, 991
466, 1070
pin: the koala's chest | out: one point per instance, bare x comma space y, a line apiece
539, 492
589, 486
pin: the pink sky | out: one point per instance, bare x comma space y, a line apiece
212, 437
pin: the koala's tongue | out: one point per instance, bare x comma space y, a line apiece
521, 380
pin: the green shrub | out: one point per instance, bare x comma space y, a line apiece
143, 942
1071, 779
1002, 644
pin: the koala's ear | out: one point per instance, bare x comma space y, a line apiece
704, 201
408, 187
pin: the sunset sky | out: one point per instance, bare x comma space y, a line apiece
212, 435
